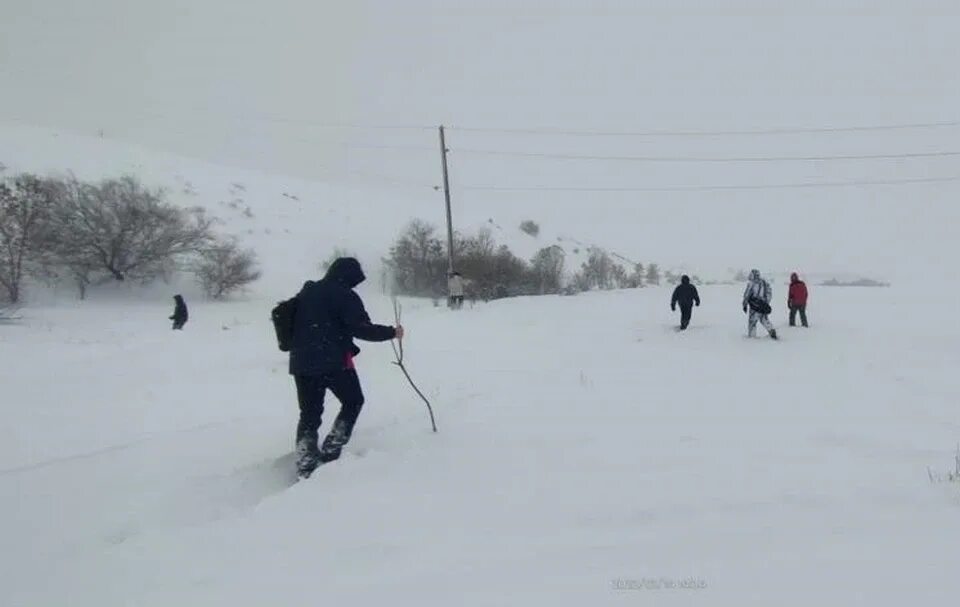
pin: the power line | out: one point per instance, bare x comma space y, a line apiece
709, 158
361, 146
383, 179
710, 133
286, 120
708, 188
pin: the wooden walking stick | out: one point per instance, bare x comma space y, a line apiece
397, 346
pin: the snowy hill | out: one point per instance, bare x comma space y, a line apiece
581, 458
292, 223
587, 453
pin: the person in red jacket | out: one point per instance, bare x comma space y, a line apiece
797, 300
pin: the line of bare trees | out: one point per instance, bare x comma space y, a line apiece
418, 264
57, 230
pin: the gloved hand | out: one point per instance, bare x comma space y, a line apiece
698, 304
744, 308
673, 308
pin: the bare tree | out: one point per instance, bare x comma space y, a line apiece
417, 260
226, 267
547, 268
619, 276
635, 280
120, 230
653, 274
25, 206
598, 270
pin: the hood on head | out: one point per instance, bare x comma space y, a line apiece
755, 276
685, 279
178, 297
346, 271
794, 277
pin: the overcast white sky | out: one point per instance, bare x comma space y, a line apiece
258, 83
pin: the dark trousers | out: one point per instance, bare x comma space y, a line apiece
311, 390
803, 315
686, 313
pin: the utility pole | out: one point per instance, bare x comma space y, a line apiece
446, 195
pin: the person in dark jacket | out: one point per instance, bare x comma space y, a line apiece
797, 300
329, 316
180, 315
686, 295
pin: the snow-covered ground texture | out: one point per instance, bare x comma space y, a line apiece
584, 445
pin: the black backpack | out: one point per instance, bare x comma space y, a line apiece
283, 316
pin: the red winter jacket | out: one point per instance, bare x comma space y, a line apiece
798, 292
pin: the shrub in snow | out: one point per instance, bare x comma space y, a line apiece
951, 477
530, 227
224, 268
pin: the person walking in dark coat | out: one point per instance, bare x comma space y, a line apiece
180, 315
329, 316
686, 295
797, 300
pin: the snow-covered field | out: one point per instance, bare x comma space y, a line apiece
582, 441
588, 454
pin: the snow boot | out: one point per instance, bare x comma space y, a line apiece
773, 334
334, 442
308, 456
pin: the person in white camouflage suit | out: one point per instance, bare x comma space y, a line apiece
756, 301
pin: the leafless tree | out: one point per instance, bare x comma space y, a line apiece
119, 229
25, 207
598, 270
547, 269
653, 274
225, 267
417, 260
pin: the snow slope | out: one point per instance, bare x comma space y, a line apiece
582, 441
293, 224
901, 234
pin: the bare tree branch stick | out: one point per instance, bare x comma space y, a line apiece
397, 346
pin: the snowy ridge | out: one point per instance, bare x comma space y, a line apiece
293, 224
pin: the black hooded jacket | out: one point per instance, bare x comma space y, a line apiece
685, 294
329, 316
179, 309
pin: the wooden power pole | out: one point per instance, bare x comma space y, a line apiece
446, 195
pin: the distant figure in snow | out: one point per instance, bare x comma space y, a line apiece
756, 301
686, 295
329, 316
797, 300
180, 315
455, 290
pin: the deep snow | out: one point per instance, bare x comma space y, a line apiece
581, 441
